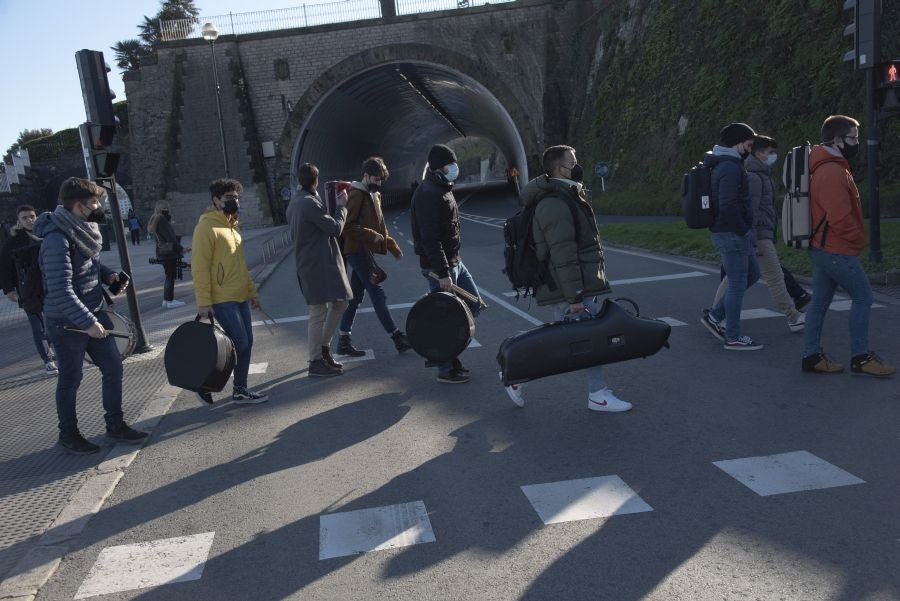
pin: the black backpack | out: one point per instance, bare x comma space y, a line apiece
521, 265
697, 203
29, 279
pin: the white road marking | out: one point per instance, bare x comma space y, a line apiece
474, 344
672, 321
508, 307
844, 305
369, 356
366, 530
659, 278
583, 499
786, 472
258, 368
142, 565
759, 314
295, 318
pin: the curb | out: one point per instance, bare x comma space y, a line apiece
42, 560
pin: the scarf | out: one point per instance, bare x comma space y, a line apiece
85, 234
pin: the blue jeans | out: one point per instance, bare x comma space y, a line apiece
829, 272
595, 379
37, 332
742, 269
462, 278
70, 349
234, 317
359, 284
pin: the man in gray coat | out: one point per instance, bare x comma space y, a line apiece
763, 154
72, 272
320, 267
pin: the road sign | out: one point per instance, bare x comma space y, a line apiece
602, 170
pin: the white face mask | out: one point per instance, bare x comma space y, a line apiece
452, 172
770, 160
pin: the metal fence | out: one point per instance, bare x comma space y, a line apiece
306, 15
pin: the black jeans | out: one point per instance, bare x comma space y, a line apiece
170, 267
135, 237
37, 332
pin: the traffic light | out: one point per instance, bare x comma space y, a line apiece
101, 158
889, 89
865, 30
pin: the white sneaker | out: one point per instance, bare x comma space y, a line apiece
515, 393
605, 400
50, 367
175, 303
165, 304
798, 324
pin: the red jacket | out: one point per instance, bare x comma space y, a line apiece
834, 197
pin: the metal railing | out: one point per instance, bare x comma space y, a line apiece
273, 245
306, 15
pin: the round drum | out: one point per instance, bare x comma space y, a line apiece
120, 324
199, 357
440, 326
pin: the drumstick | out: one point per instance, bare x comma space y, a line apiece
108, 332
462, 292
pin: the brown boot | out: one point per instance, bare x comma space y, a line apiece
820, 363
328, 359
871, 364
320, 369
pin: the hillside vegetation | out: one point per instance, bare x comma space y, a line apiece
662, 77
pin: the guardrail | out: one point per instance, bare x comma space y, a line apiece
306, 15
273, 245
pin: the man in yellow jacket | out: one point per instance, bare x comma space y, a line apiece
222, 284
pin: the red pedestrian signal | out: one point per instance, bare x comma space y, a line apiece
888, 92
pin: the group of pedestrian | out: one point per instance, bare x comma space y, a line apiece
744, 234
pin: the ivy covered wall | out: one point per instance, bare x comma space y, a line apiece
661, 77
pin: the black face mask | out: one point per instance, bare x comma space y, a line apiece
373, 188
230, 206
97, 216
167, 215
849, 150
577, 174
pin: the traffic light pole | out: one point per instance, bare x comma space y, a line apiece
872, 163
141, 345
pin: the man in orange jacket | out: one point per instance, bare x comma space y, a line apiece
837, 239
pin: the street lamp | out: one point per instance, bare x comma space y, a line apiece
211, 33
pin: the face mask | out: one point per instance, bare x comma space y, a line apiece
167, 215
452, 172
373, 188
230, 206
744, 154
849, 150
98, 216
577, 174
771, 159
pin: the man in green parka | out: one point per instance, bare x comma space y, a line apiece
567, 241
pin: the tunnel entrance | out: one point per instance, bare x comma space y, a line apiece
398, 111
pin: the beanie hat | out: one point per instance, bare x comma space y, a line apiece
735, 133
440, 155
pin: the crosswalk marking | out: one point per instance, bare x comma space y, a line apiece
672, 321
474, 344
786, 472
369, 356
844, 305
583, 499
142, 565
376, 529
258, 368
759, 314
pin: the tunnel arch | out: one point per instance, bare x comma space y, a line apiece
397, 101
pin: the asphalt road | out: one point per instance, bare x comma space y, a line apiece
262, 496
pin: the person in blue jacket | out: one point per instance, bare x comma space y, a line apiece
72, 272
732, 234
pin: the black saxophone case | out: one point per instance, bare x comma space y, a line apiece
199, 357
612, 335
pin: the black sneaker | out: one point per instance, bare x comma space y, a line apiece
76, 444
245, 396
328, 359
801, 303
712, 324
400, 342
345, 347
458, 367
452, 377
206, 397
124, 433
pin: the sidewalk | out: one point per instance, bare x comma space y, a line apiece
37, 481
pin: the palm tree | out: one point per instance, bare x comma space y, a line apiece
129, 53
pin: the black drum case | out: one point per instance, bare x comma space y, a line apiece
199, 357
440, 326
